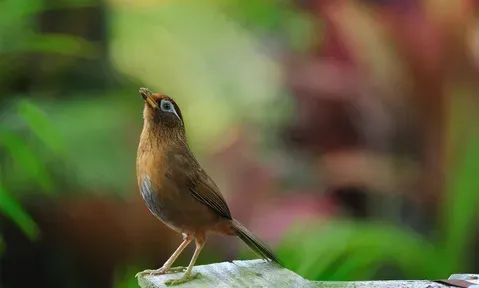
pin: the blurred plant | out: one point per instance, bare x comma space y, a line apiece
34, 162
18, 150
76, 136
355, 251
235, 73
18, 36
125, 277
17, 33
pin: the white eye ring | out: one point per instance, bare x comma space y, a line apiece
167, 106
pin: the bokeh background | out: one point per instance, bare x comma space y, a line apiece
342, 132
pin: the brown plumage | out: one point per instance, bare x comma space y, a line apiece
177, 190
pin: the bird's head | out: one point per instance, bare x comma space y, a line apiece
161, 113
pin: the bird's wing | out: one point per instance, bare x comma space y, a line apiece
185, 169
206, 192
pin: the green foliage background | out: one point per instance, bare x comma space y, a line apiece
40, 140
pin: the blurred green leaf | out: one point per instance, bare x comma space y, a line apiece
52, 5
360, 265
349, 251
125, 277
22, 9
24, 157
57, 43
97, 156
17, 30
460, 204
41, 126
14, 210
2, 245
264, 14
18, 9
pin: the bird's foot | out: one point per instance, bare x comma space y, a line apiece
184, 279
160, 271
177, 269
150, 272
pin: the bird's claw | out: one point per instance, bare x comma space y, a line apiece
160, 271
184, 279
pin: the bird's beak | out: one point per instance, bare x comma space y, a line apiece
146, 94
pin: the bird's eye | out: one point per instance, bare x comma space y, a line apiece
166, 106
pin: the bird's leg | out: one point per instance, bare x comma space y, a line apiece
187, 238
200, 241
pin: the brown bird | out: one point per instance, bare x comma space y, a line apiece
177, 190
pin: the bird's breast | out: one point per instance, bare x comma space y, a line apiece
167, 195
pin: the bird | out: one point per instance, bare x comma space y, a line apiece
177, 190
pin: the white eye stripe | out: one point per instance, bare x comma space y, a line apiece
167, 106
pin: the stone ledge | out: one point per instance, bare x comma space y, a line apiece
257, 273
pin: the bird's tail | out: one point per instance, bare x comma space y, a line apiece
254, 242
